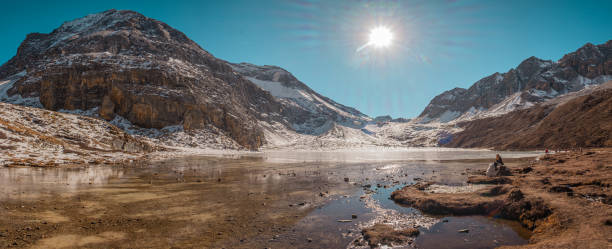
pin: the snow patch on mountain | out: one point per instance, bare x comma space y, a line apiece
305, 110
279, 91
533, 81
16, 99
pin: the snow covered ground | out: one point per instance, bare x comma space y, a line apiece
376, 136
36, 137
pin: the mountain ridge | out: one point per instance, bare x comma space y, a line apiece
533, 81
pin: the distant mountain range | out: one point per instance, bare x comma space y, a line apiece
578, 119
533, 81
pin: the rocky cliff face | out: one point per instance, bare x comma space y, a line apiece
533, 81
122, 63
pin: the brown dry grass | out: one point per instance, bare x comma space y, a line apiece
584, 121
565, 198
18, 128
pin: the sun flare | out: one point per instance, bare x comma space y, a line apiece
380, 37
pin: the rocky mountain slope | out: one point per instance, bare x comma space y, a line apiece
304, 109
36, 137
151, 80
580, 119
129, 66
533, 81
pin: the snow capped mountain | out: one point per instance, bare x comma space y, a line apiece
533, 81
576, 119
151, 80
307, 111
128, 66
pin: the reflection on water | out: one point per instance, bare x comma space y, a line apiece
285, 180
478, 232
409, 154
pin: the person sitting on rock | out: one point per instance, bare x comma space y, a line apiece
495, 168
498, 160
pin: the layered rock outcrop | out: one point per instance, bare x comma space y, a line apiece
125, 64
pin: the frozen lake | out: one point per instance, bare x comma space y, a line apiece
270, 199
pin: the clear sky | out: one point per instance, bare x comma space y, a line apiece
437, 45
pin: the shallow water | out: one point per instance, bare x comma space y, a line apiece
288, 200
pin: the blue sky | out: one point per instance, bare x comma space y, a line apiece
438, 45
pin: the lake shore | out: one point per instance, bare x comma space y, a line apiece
316, 200
563, 198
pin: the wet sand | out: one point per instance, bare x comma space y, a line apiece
213, 202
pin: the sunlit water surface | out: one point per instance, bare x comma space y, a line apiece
340, 176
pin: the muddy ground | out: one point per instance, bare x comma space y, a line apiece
564, 198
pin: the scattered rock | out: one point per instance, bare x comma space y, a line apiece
560, 189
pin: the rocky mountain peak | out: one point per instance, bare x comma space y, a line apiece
534, 80
590, 60
125, 66
114, 32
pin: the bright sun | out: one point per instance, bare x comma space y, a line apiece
380, 37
